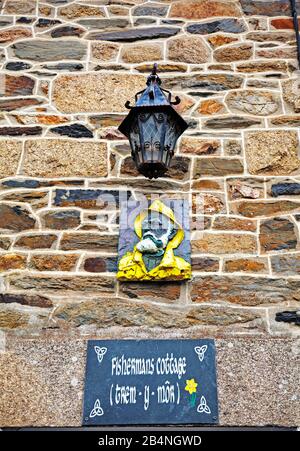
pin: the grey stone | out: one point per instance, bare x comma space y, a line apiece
213, 82
232, 122
42, 50
258, 103
102, 24
150, 10
288, 265
77, 285
135, 34
267, 8
225, 25
285, 189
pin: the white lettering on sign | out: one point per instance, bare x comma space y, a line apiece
164, 365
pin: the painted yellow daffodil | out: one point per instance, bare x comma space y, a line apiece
191, 386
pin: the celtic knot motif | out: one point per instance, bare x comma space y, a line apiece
97, 410
200, 351
100, 352
203, 407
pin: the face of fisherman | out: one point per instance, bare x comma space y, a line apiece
157, 231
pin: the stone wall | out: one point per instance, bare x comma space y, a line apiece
68, 66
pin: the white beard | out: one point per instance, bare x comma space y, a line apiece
147, 245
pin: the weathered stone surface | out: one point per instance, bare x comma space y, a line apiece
16, 86
285, 189
283, 53
67, 30
199, 146
136, 34
258, 103
217, 40
225, 25
188, 49
288, 265
81, 93
277, 234
170, 67
18, 317
60, 158
208, 184
47, 50
36, 241
264, 208
20, 131
212, 82
282, 121
205, 264
12, 261
152, 9
272, 152
125, 313
232, 122
245, 188
104, 51
263, 66
248, 265
18, 104
17, 65
210, 107
46, 23
36, 199
15, 218
208, 203
78, 10
73, 131
100, 264
166, 292
100, 285
266, 36
291, 93
53, 262
5, 242
104, 24
231, 223
95, 199
282, 23
266, 8
20, 7
244, 290
141, 52
235, 52
24, 299
10, 153
89, 240
225, 243
203, 9
262, 83
217, 167
70, 67
232, 147
13, 34
61, 219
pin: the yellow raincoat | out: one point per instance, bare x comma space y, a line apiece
131, 265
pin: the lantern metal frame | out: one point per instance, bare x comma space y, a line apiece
155, 106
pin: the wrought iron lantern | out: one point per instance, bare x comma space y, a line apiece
153, 127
